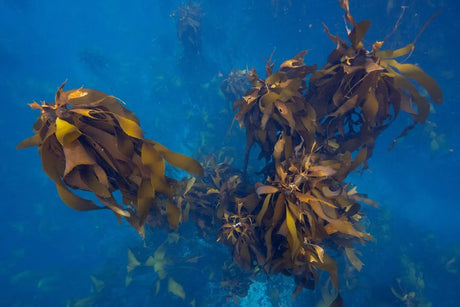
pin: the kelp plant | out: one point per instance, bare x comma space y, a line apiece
188, 26
312, 137
89, 141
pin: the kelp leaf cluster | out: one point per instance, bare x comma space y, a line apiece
235, 85
89, 141
359, 92
207, 199
285, 225
188, 26
275, 103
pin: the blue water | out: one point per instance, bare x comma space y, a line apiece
131, 50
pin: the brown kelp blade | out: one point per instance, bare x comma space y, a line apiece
358, 32
415, 73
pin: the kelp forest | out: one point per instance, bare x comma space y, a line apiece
294, 213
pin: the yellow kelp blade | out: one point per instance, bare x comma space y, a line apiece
189, 185
145, 196
152, 158
178, 160
85, 97
78, 93
98, 285
129, 127
132, 261
266, 189
66, 133
295, 62
423, 105
340, 224
355, 261
416, 73
388, 54
173, 214
319, 252
308, 198
261, 214
290, 221
358, 32
370, 107
176, 288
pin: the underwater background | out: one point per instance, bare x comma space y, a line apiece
52, 255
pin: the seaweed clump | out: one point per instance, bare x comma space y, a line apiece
89, 141
188, 27
360, 92
312, 137
235, 84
